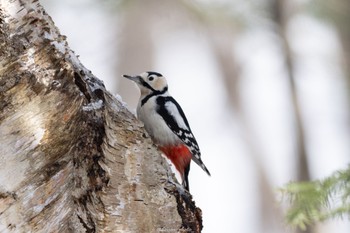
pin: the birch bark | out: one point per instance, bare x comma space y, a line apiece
72, 157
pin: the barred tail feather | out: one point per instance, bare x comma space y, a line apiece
201, 164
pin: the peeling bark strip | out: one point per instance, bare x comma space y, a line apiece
72, 158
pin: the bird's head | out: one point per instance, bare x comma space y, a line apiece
149, 82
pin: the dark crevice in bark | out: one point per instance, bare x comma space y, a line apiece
82, 86
88, 154
86, 226
187, 210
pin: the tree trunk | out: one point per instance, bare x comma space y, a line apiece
72, 157
281, 16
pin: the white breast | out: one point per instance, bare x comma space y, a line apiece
155, 124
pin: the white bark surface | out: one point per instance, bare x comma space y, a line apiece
72, 157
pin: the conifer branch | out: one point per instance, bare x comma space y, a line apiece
319, 200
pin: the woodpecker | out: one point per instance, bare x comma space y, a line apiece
166, 123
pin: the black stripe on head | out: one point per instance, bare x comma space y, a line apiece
154, 73
154, 93
145, 84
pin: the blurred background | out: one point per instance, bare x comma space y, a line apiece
265, 85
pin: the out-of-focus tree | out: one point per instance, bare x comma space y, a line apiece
280, 16
338, 13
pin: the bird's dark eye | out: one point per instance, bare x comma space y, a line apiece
150, 78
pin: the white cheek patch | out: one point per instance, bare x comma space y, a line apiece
159, 83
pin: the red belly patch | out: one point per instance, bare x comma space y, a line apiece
179, 155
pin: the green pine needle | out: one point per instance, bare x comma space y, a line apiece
311, 202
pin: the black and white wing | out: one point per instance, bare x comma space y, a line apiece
176, 120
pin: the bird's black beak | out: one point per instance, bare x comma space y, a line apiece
133, 78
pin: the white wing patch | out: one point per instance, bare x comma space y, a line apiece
173, 110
